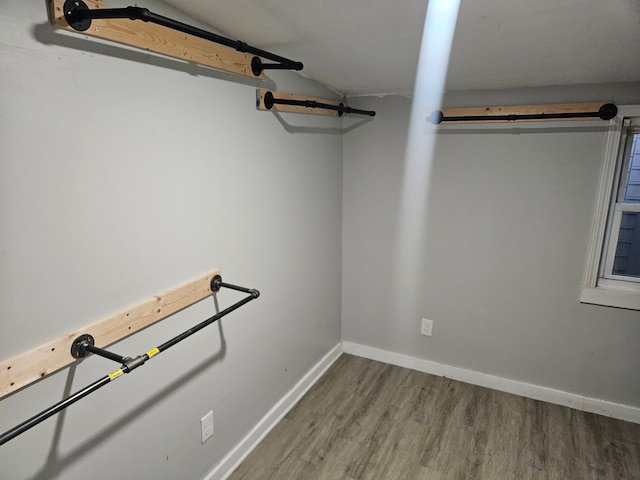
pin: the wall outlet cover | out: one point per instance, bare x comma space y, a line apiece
206, 426
426, 328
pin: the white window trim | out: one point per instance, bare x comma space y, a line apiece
597, 290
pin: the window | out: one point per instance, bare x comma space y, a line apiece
612, 276
623, 252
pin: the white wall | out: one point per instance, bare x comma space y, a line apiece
501, 248
122, 175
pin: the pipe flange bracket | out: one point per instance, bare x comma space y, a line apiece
256, 66
268, 100
216, 283
77, 347
71, 7
608, 111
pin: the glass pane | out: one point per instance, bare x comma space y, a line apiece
632, 188
627, 261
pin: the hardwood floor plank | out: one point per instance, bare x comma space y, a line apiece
365, 420
396, 457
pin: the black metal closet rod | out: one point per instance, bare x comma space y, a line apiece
79, 16
84, 344
270, 101
606, 112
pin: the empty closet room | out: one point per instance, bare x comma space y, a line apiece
360, 285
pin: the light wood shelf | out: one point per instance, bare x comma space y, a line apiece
156, 38
554, 108
32, 365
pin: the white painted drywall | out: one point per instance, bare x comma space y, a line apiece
501, 250
122, 175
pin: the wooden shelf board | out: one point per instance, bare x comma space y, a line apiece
522, 110
159, 39
37, 363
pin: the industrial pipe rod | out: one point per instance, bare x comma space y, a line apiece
270, 101
79, 17
103, 353
253, 294
52, 410
606, 112
128, 363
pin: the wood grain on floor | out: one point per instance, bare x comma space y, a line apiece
366, 420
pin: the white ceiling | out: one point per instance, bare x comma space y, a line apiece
360, 47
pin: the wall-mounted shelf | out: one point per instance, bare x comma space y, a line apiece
557, 111
138, 27
86, 343
37, 363
292, 103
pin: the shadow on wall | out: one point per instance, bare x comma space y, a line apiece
322, 130
56, 464
50, 35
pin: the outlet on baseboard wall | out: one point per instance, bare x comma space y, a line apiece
426, 327
206, 426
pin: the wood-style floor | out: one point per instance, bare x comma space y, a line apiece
369, 420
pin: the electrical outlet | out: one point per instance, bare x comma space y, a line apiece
426, 327
206, 425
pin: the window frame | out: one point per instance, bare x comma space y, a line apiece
600, 287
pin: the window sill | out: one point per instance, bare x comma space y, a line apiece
611, 297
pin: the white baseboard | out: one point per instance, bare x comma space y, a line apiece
233, 459
536, 392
